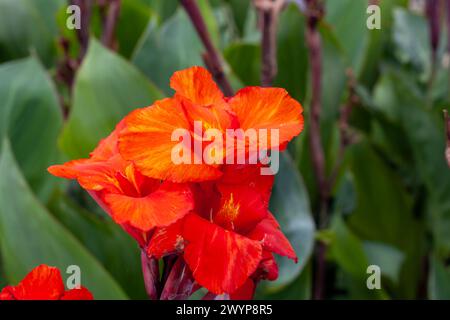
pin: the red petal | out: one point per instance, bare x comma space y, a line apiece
7, 293
248, 176
166, 240
220, 260
147, 141
159, 209
241, 208
268, 231
245, 292
77, 294
42, 283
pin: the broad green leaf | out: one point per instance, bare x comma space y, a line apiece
112, 246
384, 212
378, 41
106, 89
299, 289
239, 9
290, 205
348, 19
411, 38
347, 249
30, 236
292, 54
424, 131
30, 117
354, 256
245, 60
27, 25
176, 41
387, 257
438, 280
133, 19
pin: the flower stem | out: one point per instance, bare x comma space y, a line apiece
212, 57
150, 271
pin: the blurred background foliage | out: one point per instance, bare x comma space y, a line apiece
389, 204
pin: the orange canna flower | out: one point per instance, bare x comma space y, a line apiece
43, 283
147, 137
136, 202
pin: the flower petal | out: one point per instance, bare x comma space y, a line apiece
147, 141
160, 208
77, 294
220, 260
268, 108
268, 231
196, 85
42, 283
166, 240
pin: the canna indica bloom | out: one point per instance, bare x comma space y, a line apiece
147, 139
43, 283
212, 215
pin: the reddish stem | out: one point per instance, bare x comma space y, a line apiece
150, 271
109, 24
212, 57
180, 284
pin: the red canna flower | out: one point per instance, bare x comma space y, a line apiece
212, 213
43, 283
134, 201
230, 238
147, 136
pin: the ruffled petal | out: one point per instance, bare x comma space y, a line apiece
147, 141
77, 294
269, 233
220, 260
160, 208
196, 85
42, 283
268, 108
90, 175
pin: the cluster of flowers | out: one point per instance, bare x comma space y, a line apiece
213, 217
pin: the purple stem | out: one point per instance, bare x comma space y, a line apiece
150, 271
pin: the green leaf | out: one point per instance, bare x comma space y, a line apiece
299, 289
106, 89
31, 236
176, 41
347, 249
384, 213
424, 131
438, 281
133, 19
111, 245
290, 206
245, 60
292, 54
30, 117
388, 258
411, 39
348, 18
27, 25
